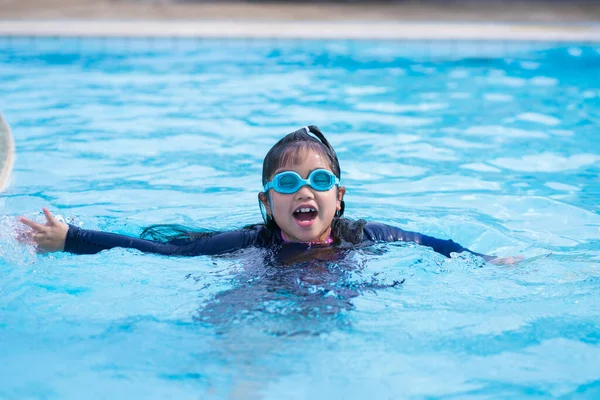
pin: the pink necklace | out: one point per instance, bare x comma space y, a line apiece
329, 240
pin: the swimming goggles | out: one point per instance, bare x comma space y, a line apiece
288, 182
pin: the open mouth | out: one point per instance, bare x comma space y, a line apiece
304, 216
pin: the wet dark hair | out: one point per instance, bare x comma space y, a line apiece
286, 151
171, 232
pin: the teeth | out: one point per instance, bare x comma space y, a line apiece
309, 209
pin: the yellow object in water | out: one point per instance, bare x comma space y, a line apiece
7, 153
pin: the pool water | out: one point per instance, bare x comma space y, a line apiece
494, 145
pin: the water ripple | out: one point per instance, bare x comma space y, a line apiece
491, 144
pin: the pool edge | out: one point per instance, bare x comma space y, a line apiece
355, 30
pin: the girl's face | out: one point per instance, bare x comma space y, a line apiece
311, 226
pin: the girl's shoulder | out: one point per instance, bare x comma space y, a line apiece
348, 230
377, 231
256, 229
357, 231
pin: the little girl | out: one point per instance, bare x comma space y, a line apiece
302, 205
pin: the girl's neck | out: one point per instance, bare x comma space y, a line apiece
326, 240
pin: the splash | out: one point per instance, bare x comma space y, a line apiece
16, 247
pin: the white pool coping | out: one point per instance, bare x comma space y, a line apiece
7, 154
379, 30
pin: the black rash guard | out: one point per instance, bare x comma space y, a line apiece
83, 241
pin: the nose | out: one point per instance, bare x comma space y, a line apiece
304, 193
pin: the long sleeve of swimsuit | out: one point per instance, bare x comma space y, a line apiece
83, 241
378, 232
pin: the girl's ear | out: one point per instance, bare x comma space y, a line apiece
262, 197
340, 197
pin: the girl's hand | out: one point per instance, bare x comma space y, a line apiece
506, 260
50, 237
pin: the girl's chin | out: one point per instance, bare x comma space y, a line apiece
301, 236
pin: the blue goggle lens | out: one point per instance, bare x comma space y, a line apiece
322, 179
288, 181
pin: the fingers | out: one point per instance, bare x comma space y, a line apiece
25, 237
513, 260
49, 237
507, 260
49, 217
51, 221
32, 224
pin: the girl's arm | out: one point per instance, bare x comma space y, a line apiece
83, 241
58, 236
381, 232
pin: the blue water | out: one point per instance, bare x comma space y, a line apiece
494, 145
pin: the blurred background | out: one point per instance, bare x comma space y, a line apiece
407, 10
